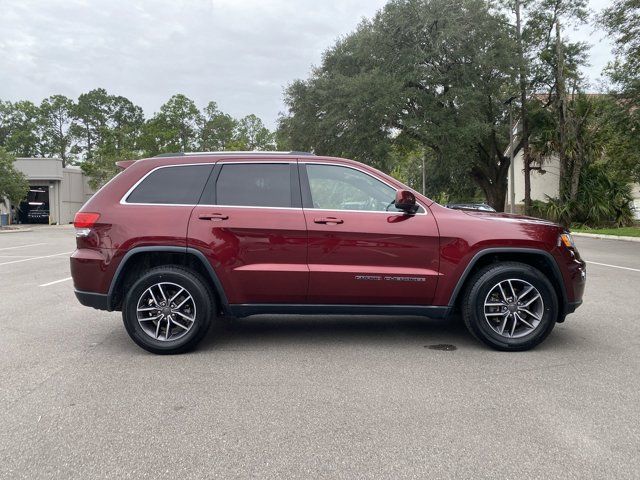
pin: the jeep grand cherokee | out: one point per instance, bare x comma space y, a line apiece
177, 240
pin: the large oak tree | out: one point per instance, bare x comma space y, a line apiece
431, 72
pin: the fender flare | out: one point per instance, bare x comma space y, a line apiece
169, 249
531, 251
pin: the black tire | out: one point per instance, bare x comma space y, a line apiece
484, 281
202, 298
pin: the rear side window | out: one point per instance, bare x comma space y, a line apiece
255, 185
172, 185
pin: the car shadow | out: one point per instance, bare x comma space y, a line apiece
264, 331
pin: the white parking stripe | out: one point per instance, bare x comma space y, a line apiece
23, 246
615, 266
36, 258
53, 283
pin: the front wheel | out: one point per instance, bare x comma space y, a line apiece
510, 306
168, 310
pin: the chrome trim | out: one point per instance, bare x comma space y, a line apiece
275, 162
247, 152
222, 162
247, 206
283, 208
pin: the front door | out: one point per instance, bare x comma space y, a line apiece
250, 225
361, 249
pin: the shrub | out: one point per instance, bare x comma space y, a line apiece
603, 200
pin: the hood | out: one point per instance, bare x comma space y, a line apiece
509, 217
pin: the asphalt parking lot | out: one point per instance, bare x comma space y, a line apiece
313, 397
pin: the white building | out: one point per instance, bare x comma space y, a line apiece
546, 181
55, 193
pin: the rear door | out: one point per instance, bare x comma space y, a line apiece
361, 249
250, 225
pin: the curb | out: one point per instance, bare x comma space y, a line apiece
606, 237
19, 230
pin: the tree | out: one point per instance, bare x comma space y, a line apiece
253, 135
559, 67
175, 128
218, 129
621, 142
542, 64
433, 73
123, 127
91, 113
622, 22
102, 166
6, 110
56, 117
21, 128
100, 129
13, 184
524, 117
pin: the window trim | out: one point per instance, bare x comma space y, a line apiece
123, 200
303, 183
306, 187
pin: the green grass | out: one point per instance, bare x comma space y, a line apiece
624, 231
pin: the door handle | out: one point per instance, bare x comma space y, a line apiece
328, 220
216, 217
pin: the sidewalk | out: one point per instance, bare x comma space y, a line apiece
606, 237
15, 229
30, 228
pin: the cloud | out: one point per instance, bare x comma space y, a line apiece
239, 53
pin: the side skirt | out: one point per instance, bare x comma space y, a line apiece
244, 310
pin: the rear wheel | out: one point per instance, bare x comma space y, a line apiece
510, 306
168, 310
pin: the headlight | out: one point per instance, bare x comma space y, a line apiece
567, 240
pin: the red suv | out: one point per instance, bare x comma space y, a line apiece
177, 240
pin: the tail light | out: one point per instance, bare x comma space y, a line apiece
84, 222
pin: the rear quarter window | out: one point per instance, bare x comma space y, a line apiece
179, 185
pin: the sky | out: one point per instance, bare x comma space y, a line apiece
239, 53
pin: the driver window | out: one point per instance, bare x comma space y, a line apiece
342, 188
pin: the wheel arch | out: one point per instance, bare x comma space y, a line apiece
539, 259
140, 258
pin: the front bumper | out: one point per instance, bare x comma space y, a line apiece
571, 306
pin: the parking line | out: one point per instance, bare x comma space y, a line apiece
23, 246
36, 258
54, 282
615, 266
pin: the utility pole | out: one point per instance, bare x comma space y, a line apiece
512, 174
526, 156
561, 108
424, 174
512, 171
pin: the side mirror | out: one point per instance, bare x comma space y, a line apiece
406, 201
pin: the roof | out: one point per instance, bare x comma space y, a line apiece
234, 152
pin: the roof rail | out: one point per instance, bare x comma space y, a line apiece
254, 152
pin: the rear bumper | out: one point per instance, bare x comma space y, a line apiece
92, 270
99, 301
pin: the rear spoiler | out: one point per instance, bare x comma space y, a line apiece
125, 163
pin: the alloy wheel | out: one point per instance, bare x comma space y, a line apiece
513, 308
166, 311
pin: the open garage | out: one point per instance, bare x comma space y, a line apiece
55, 194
